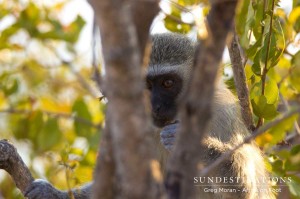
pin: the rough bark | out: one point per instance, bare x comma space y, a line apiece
123, 87
196, 109
105, 169
11, 162
143, 15
240, 82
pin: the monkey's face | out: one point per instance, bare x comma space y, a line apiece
164, 89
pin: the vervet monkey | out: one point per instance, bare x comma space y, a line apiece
168, 77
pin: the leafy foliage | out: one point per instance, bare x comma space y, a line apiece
43, 106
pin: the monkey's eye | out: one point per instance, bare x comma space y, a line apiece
168, 83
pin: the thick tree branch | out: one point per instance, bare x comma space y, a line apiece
11, 162
143, 13
241, 82
256, 133
128, 121
196, 110
105, 187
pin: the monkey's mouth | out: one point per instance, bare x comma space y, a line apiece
171, 122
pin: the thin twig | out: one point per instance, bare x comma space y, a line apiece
256, 133
265, 69
240, 82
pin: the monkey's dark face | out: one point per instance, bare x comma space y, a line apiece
164, 89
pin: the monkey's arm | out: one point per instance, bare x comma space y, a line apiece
41, 189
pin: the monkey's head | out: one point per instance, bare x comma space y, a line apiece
168, 74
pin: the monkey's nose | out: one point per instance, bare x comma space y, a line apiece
157, 108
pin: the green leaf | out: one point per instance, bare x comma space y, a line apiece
36, 122
32, 13
81, 110
3, 12
254, 48
8, 84
294, 77
189, 2
29, 19
20, 126
11, 88
6, 34
244, 22
34, 73
174, 26
257, 64
280, 130
50, 134
295, 150
69, 33
296, 3
262, 109
294, 186
294, 18
277, 167
293, 160
296, 59
271, 91
259, 17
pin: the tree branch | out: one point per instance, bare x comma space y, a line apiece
105, 187
11, 162
265, 69
142, 18
124, 28
241, 82
185, 158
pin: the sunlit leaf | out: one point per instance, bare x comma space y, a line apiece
190, 2
50, 134
294, 77
271, 91
262, 109
174, 26
277, 133
244, 22
81, 110
294, 18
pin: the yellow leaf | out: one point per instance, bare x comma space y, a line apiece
295, 14
51, 105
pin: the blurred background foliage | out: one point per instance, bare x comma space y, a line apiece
50, 107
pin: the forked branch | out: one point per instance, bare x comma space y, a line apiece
11, 162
